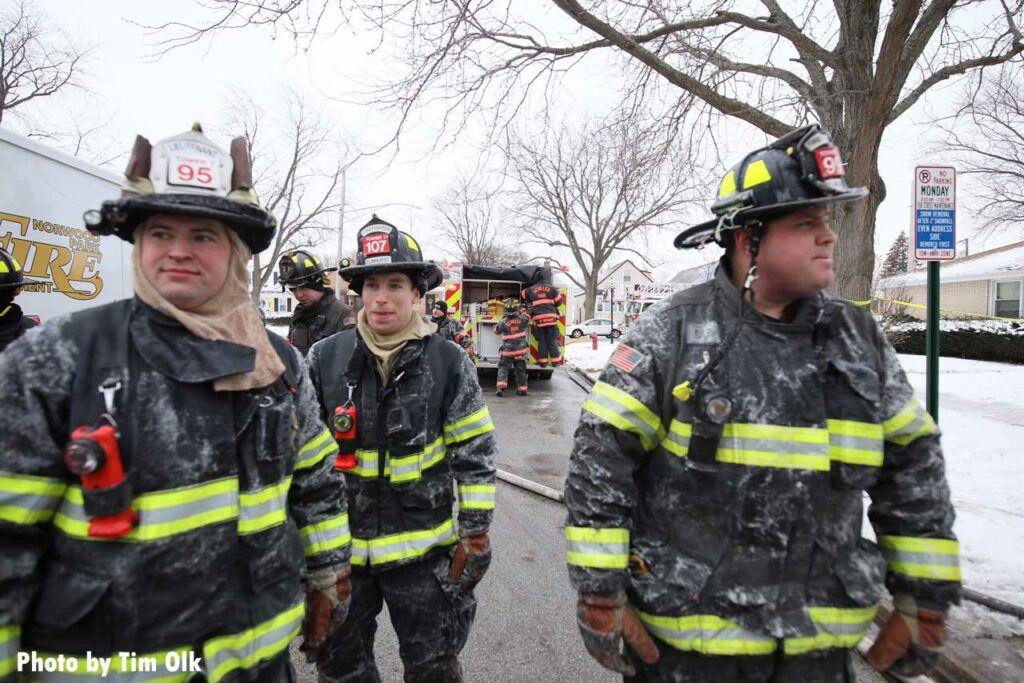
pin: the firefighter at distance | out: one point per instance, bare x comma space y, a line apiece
320, 313
716, 484
514, 330
13, 322
165, 481
449, 328
412, 427
542, 301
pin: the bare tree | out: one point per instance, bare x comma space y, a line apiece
987, 137
36, 61
597, 191
297, 178
854, 65
473, 220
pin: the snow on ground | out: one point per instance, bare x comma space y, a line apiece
981, 414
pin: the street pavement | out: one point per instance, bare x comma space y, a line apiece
525, 626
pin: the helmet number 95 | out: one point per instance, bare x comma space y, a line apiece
191, 171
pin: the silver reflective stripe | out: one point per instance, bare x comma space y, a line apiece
260, 643
861, 443
479, 500
649, 435
740, 443
590, 549
677, 440
402, 546
315, 450
327, 535
707, 634
263, 508
923, 558
473, 425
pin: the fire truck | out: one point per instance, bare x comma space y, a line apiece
644, 296
476, 297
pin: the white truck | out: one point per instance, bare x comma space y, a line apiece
43, 194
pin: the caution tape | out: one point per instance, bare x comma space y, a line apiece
923, 307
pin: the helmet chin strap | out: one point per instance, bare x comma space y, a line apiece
756, 235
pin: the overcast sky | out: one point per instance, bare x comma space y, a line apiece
132, 94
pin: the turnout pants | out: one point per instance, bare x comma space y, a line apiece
547, 344
676, 666
430, 615
505, 364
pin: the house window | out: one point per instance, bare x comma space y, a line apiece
1007, 303
627, 277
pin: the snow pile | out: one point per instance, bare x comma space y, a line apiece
1008, 327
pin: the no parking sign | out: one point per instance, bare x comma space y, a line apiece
934, 213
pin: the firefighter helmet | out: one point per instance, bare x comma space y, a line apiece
511, 307
11, 274
301, 269
383, 248
187, 175
802, 168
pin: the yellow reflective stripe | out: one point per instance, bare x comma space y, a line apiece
677, 440
838, 627
477, 496
855, 443
410, 467
474, 425
759, 445
922, 558
909, 424
728, 185
151, 667
316, 450
252, 646
402, 546
263, 509
10, 639
707, 634
597, 548
27, 499
329, 534
161, 513
626, 413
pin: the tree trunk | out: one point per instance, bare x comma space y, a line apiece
589, 298
853, 223
257, 285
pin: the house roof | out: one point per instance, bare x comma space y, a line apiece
696, 274
1006, 261
611, 271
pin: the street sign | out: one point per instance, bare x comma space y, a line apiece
934, 213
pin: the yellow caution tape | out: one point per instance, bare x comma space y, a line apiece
909, 304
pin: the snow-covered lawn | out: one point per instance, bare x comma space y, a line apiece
981, 414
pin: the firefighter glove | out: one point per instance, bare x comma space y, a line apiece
328, 593
471, 560
606, 621
910, 643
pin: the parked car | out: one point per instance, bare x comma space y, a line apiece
599, 326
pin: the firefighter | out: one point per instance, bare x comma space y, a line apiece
514, 330
716, 481
542, 301
13, 323
164, 478
410, 418
449, 328
319, 313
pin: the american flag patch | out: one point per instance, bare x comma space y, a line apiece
626, 358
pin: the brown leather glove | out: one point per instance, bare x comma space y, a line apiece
910, 643
606, 621
328, 594
472, 558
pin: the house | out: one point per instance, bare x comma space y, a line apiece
614, 283
277, 303
988, 283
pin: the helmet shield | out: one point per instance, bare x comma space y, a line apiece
187, 175
383, 248
800, 169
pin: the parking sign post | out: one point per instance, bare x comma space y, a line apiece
934, 241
